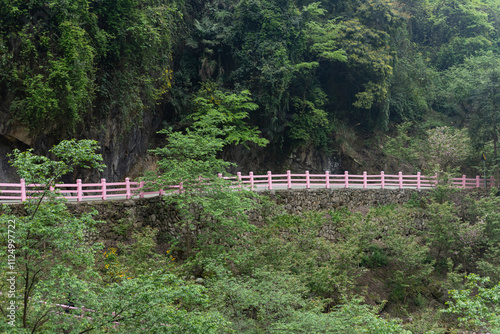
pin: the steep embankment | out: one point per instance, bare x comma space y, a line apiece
400, 250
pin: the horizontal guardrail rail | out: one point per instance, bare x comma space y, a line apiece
103, 191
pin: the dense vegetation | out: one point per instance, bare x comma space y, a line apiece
333, 75
323, 74
387, 271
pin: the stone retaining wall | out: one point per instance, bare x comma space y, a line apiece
296, 201
122, 217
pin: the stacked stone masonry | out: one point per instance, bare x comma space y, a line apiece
121, 217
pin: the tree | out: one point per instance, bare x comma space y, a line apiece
226, 111
472, 92
55, 264
64, 63
213, 214
406, 149
274, 302
50, 248
477, 305
489, 211
311, 123
460, 29
447, 147
365, 36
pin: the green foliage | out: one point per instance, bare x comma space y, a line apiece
412, 84
460, 29
274, 302
64, 63
229, 110
141, 255
317, 71
290, 244
476, 306
255, 304
52, 68
471, 94
443, 150
472, 91
488, 209
443, 192
287, 277
275, 51
406, 256
322, 37
51, 248
70, 154
404, 147
450, 238
310, 125
161, 301
55, 264
190, 160
372, 56
365, 36
350, 317
305, 63
447, 147
375, 257
290, 273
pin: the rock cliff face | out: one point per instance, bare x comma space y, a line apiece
124, 148
12, 135
263, 159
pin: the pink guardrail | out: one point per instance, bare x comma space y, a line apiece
103, 190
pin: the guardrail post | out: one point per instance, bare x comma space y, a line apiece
79, 193
239, 179
464, 181
308, 180
418, 180
436, 177
492, 181
382, 180
103, 189
23, 190
365, 183
141, 187
327, 179
346, 179
288, 180
128, 194
251, 180
477, 181
400, 180
269, 180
